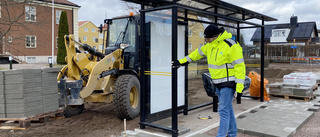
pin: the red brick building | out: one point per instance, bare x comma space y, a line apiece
26, 28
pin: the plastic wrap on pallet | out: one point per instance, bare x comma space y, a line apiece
307, 78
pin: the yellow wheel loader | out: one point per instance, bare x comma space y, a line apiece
112, 77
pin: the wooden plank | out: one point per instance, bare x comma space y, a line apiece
305, 98
12, 127
25, 123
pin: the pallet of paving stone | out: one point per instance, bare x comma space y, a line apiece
305, 98
25, 123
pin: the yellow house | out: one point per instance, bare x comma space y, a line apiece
89, 34
195, 40
195, 35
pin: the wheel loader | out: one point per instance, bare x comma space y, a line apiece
109, 77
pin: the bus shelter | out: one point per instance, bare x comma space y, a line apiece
164, 39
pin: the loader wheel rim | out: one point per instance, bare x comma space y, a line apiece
134, 97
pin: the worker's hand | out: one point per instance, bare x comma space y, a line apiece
236, 94
176, 64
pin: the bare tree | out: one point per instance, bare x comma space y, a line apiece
9, 17
14, 15
132, 7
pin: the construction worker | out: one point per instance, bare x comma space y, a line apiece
227, 70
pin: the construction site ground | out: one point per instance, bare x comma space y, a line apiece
99, 119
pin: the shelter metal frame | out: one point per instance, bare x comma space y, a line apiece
215, 5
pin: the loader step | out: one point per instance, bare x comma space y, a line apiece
25, 123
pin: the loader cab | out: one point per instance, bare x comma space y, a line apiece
123, 31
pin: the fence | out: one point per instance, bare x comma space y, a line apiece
279, 59
305, 60
314, 60
299, 60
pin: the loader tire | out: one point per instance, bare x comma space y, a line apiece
126, 97
73, 110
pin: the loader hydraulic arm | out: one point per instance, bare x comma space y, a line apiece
109, 62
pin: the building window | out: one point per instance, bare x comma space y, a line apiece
94, 47
31, 59
100, 46
189, 33
100, 35
85, 29
31, 42
189, 46
0, 9
94, 39
58, 14
92, 30
84, 38
279, 33
10, 39
30, 13
200, 34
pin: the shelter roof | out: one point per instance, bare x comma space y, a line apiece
210, 6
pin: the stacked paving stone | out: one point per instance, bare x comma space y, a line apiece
23, 93
28, 92
2, 97
50, 92
291, 89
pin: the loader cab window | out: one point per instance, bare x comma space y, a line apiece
122, 31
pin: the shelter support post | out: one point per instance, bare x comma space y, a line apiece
262, 63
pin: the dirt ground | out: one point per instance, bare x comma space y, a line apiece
99, 119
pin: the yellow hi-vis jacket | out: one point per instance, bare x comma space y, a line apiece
225, 61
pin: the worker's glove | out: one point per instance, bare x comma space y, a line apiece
177, 64
238, 97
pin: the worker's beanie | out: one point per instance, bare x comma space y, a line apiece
211, 31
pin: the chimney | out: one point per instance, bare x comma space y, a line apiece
293, 20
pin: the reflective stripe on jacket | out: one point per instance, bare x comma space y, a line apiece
225, 60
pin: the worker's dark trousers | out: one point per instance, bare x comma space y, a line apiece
228, 124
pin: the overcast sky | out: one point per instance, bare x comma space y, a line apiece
306, 10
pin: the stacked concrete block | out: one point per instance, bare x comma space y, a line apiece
291, 89
286, 90
23, 93
275, 88
50, 92
303, 91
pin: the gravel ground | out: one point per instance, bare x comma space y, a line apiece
311, 128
